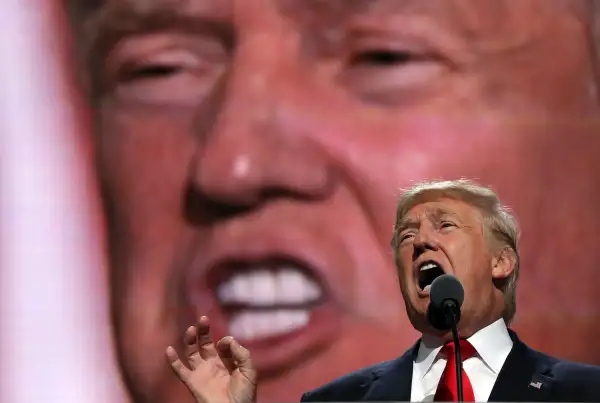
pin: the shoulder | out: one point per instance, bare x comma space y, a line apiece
558, 368
573, 381
350, 387
565, 370
575, 371
577, 382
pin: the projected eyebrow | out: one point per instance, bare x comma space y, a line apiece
116, 22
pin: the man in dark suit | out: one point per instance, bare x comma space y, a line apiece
526, 375
448, 227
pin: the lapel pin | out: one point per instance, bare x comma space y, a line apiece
537, 385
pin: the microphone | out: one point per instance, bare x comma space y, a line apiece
446, 296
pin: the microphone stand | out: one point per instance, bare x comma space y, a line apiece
450, 309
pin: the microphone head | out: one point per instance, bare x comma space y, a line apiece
446, 287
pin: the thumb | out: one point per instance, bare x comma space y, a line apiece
241, 355
235, 356
244, 361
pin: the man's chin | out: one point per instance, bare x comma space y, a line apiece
418, 319
423, 326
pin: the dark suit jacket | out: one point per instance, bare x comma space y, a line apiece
527, 376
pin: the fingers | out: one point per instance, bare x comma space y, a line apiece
191, 347
198, 343
205, 344
177, 365
235, 356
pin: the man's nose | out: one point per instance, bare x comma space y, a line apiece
263, 142
424, 241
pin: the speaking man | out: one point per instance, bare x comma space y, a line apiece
445, 227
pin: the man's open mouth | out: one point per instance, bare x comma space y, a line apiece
427, 272
267, 299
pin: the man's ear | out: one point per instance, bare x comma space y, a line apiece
503, 264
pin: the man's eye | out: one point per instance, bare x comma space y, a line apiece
447, 224
406, 237
382, 58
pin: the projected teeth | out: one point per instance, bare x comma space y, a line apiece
249, 325
263, 287
267, 302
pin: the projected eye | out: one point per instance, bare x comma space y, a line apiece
150, 71
382, 58
392, 68
165, 69
166, 77
395, 67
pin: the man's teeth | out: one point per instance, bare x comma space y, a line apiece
249, 325
263, 287
427, 287
428, 266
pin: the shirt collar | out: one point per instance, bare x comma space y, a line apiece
492, 343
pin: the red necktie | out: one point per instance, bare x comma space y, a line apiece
446, 391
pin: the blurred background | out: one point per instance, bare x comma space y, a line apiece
162, 160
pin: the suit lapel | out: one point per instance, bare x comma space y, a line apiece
393, 381
524, 376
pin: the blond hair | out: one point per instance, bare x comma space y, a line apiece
499, 225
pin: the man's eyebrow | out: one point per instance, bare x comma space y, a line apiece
439, 213
407, 223
435, 214
117, 20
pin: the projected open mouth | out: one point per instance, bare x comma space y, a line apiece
277, 304
267, 299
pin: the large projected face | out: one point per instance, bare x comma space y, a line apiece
251, 153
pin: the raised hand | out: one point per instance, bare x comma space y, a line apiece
221, 373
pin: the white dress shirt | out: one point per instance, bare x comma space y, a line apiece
492, 343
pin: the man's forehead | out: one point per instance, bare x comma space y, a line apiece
431, 209
440, 208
